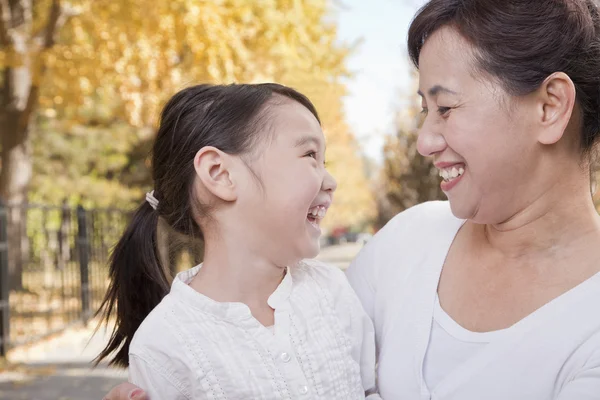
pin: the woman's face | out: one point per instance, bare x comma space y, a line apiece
482, 140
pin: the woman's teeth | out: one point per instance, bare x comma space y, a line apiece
451, 173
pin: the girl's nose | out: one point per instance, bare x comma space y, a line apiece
329, 183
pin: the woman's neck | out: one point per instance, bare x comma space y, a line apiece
549, 226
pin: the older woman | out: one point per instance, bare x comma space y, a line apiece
495, 294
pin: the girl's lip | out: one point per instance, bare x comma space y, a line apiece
325, 204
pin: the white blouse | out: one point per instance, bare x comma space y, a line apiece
552, 354
320, 347
451, 345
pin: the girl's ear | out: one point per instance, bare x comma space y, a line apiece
214, 168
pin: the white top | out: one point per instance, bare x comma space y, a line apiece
554, 353
322, 345
450, 345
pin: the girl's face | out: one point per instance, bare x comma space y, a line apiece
288, 190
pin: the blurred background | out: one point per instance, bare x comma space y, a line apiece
81, 87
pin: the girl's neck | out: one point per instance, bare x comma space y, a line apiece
232, 272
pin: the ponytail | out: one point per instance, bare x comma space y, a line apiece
138, 283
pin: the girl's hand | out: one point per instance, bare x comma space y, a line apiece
126, 391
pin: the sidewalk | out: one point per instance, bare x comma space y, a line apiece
60, 369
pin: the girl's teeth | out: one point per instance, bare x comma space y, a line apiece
318, 212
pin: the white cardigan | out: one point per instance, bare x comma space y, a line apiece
554, 353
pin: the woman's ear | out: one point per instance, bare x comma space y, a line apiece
213, 167
555, 102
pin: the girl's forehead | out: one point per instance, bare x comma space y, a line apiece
292, 121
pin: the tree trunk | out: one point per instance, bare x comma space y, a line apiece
18, 101
16, 157
14, 179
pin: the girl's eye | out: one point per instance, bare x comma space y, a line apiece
312, 154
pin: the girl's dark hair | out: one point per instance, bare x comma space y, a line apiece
229, 118
522, 42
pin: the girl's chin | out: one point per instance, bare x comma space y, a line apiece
312, 249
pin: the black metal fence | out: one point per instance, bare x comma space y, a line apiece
53, 267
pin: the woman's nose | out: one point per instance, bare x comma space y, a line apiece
430, 141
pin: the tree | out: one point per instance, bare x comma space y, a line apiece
24, 36
97, 76
130, 58
99, 71
407, 177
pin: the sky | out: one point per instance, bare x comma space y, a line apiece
381, 83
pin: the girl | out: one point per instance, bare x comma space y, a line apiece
241, 166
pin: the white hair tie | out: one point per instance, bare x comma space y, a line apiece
152, 200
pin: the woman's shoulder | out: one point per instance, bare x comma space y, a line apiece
414, 227
403, 244
429, 214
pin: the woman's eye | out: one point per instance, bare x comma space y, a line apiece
443, 110
424, 110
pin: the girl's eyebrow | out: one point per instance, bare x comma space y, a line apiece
308, 139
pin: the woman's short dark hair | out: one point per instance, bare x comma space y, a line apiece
522, 42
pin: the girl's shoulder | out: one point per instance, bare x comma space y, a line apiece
319, 272
324, 289
320, 280
155, 330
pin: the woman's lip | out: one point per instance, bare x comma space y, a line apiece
447, 186
446, 164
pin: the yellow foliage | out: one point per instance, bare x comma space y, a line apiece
127, 57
